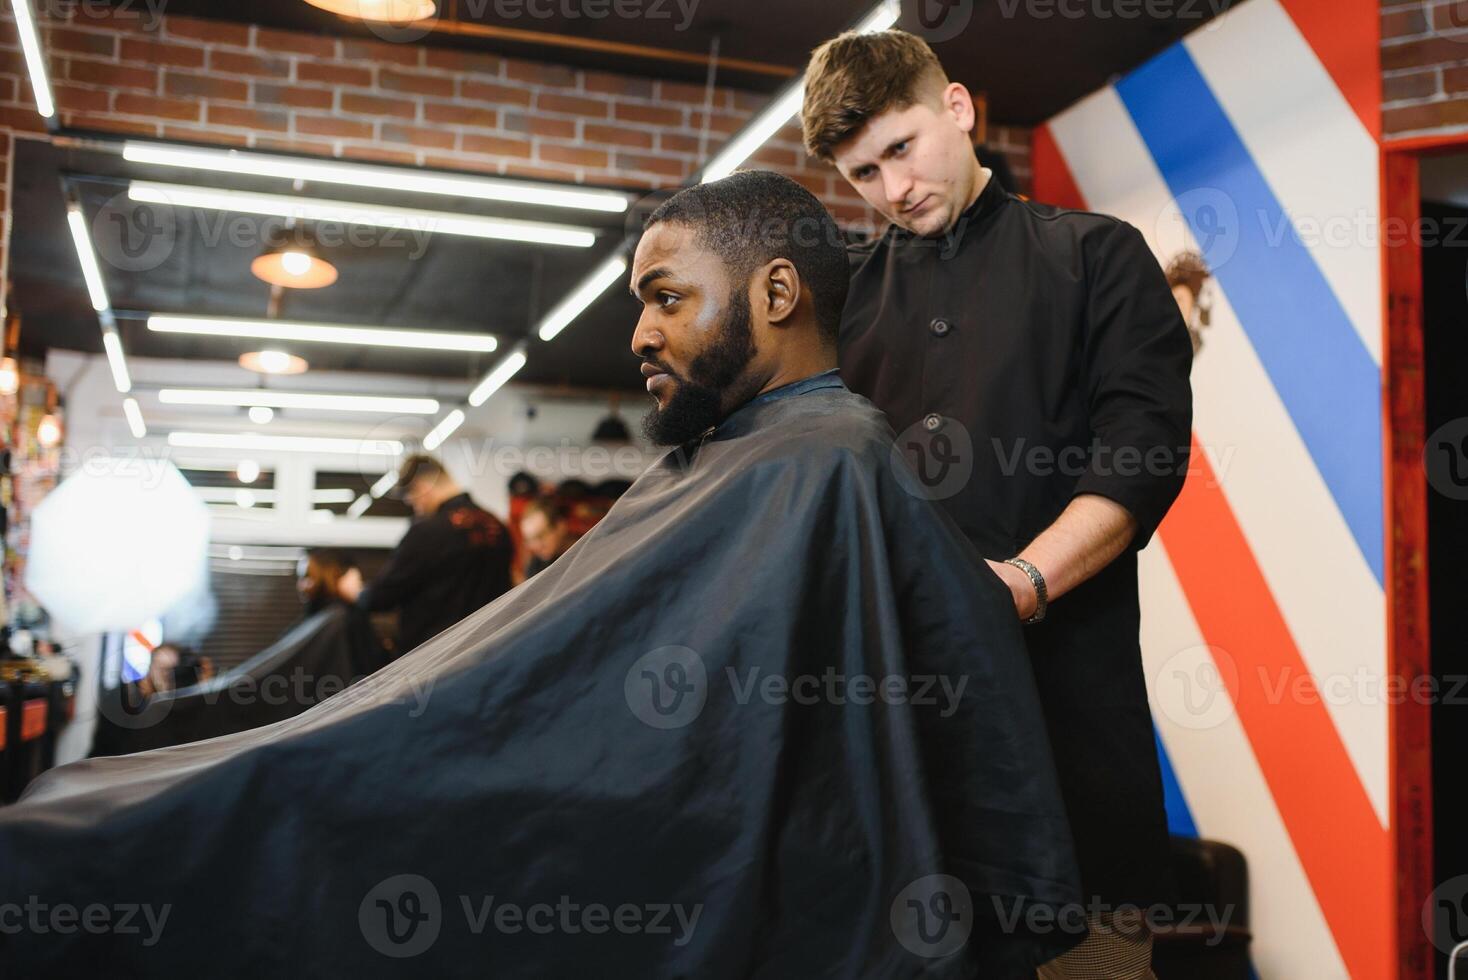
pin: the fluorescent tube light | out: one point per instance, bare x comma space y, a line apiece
374, 215
134, 417
583, 296
503, 371
35, 60
251, 397
322, 333
443, 430
254, 442
370, 175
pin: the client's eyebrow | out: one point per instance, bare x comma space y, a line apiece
649, 277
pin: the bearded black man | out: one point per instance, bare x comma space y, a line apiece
743, 696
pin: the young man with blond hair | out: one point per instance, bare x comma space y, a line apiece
1035, 365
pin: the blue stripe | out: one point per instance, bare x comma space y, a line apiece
1316, 361
1179, 817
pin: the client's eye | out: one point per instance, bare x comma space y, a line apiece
666, 300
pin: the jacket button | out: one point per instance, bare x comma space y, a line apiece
940, 327
933, 422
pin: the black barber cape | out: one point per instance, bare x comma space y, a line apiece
1030, 355
702, 744
316, 658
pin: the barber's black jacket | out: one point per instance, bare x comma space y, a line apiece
448, 565
1031, 355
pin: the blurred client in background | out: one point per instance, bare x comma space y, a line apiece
454, 559
546, 534
319, 583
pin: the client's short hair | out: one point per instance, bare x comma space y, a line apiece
756, 216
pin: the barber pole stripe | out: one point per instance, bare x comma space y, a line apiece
1295, 322
1327, 593
1291, 937
1298, 782
1326, 176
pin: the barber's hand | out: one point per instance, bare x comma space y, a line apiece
1026, 601
350, 584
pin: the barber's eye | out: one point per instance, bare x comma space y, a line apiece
665, 300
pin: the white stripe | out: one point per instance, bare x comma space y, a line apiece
1326, 592
1315, 153
1223, 785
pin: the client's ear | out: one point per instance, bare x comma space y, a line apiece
782, 290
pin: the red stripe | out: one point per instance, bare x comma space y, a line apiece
1344, 850
1346, 36
1052, 180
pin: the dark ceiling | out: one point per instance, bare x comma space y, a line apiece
1030, 58
191, 261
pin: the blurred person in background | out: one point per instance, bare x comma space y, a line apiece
545, 533
171, 667
454, 559
318, 582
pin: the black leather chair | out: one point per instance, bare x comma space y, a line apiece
1211, 878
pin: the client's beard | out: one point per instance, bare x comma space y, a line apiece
697, 400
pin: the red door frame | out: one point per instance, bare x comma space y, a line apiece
1408, 649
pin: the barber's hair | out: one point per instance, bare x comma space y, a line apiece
854, 77
756, 216
419, 466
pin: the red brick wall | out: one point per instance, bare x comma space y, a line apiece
1424, 60
208, 81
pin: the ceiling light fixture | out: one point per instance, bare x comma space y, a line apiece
35, 59
402, 179
495, 379
258, 442
273, 362
322, 333
443, 430
584, 295
261, 414
248, 471
388, 11
371, 215
87, 256
294, 265
246, 397
134, 417
785, 105
112, 344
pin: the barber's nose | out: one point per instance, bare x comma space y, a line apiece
896, 186
646, 339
